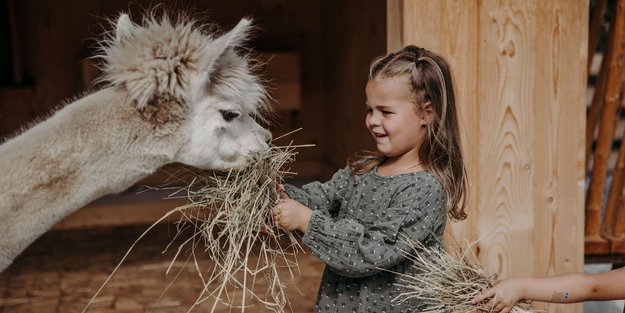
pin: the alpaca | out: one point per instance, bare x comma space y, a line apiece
173, 94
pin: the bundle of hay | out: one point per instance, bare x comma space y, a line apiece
448, 281
230, 217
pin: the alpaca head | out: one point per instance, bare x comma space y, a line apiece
179, 72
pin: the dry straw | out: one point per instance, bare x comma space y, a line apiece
448, 281
230, 214
229, 218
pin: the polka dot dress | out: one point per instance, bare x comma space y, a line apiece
357, 228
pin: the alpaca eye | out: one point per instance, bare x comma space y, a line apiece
229, 115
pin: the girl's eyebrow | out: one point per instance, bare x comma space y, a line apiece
383, 107
379, 107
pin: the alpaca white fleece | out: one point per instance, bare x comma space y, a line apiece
174, 93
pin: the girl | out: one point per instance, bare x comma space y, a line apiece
356, 221
567, 288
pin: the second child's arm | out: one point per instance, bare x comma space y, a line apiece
567, 288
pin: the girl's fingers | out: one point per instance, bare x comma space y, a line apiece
485, 295
489, 303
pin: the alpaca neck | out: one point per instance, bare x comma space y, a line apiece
93, 147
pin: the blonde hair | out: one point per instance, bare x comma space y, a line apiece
440, 153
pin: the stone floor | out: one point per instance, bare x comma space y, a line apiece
62, 270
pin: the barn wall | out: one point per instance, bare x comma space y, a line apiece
521, 80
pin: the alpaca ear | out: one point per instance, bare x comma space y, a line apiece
124, 27
216, 49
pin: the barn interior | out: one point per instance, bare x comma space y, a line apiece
316, 56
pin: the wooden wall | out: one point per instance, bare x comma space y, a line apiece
520, 70
355, 33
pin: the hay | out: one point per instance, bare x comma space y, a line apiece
448, 281
230, 214
229, 218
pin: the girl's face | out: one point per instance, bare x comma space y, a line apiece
395, 123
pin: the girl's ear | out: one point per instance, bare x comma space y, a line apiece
427, 114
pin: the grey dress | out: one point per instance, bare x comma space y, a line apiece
357, 227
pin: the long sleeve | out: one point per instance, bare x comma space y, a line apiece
326, 197
360, 247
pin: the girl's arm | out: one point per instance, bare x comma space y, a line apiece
323, 196
566, 288
356, 250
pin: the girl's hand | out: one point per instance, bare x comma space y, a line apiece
281, 192
503, 296
291, 215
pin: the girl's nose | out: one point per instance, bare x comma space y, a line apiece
374, 119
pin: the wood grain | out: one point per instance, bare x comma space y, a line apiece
520, 68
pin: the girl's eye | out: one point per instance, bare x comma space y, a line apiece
229, 115
369, 110
386, 113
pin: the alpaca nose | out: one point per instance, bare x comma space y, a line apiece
266, 134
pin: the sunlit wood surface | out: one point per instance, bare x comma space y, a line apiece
520, 69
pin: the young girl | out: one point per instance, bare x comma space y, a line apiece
357, 222
569, 288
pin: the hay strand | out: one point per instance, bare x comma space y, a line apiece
448, 281
229, 217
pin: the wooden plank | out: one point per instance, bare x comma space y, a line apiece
356, 33
559, 114
120, 214
394, 25
452, 34
521, 94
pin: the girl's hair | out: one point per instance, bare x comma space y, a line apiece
440, 153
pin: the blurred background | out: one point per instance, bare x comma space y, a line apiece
539, 93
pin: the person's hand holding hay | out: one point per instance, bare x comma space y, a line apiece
449, 281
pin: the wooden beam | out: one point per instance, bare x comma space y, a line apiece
611, 101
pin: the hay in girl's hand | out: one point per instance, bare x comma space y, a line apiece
229, 218
448, 281
230, 214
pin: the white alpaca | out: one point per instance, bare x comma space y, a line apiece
174, 94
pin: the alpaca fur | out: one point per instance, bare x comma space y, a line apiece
174, 93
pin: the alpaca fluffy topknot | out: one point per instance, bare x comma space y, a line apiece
155, 59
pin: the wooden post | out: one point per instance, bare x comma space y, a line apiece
615, 193
606, 131
595, 106
595, 30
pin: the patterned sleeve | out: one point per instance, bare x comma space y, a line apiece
354, 250
325, 197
